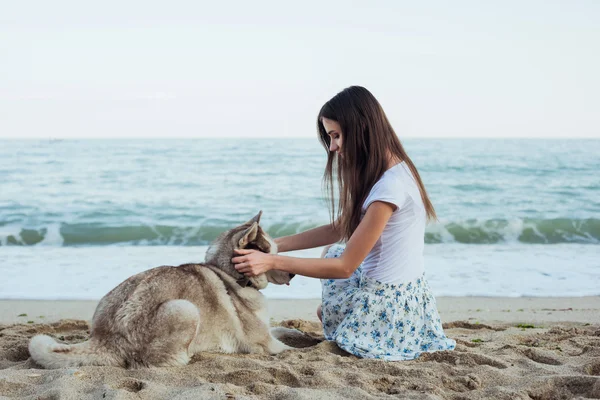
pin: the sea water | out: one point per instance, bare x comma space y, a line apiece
516, 217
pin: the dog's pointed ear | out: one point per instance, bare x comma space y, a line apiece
256, 218
249, 236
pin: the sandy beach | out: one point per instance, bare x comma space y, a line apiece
507, 348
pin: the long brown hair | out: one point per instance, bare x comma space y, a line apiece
367, 139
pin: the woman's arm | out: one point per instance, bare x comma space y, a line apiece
317, 237
252, 262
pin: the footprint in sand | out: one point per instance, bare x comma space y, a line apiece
567, 387
538, 357
456, 358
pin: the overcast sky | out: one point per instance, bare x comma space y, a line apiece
79, 69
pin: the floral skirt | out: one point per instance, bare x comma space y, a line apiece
372, 319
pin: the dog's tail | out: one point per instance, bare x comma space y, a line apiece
48, 353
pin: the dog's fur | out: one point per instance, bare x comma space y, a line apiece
163, 316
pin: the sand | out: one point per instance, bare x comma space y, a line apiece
494, 359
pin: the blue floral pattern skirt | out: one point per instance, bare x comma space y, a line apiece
371, 319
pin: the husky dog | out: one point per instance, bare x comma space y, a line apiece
163, 316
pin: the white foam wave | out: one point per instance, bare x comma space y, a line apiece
52, 236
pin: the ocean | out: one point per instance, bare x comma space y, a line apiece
516, 217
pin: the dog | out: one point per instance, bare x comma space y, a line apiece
163, 316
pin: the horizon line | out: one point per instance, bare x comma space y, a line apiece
57, 138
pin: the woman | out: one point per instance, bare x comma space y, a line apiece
376, 302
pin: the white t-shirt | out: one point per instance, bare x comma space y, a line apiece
398, 253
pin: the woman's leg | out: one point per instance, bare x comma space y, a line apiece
337, 296
319, 310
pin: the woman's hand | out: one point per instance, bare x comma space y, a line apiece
252, 262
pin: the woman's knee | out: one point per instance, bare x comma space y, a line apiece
333, 250
325, 250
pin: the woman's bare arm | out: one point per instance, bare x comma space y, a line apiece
253, 262
317, 237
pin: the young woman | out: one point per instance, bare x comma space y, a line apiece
376, 302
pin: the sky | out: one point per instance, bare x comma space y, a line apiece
195, 69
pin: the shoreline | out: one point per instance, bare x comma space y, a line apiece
474, 309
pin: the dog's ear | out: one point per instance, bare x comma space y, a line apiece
249, 236
256, 218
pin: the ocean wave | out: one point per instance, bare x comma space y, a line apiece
527, 231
